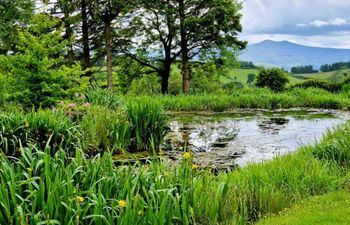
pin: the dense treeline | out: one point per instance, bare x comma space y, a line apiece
73, 40
247, 65
303, 69
335, 66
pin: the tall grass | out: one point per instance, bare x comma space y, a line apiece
253, 98
39, 128
38, 188
149, 124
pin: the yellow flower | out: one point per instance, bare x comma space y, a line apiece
186, 155
122, 203
80, 199
140, 212
194, 167
26, 124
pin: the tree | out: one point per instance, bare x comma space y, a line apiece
251, 78
107, 11
275, 79
207, 25
12, 15
36, 70
149, 37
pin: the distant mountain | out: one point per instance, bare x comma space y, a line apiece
287, 54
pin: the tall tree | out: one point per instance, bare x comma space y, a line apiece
150, 37
207, 25
107, 11
12, 15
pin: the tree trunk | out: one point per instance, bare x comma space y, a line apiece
165, 76
185, 70
109, 53
86, 41
68, 36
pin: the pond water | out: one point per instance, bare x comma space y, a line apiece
232, 139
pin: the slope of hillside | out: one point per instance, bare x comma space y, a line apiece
286, 54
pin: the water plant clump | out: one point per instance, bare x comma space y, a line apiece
43, 128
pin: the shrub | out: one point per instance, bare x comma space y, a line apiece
149, 125
275, 79
43, 129
322, 84
105, 130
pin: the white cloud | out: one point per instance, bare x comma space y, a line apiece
265, 15
334, 22
339, 22
319, 23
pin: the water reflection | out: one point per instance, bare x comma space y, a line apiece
273, 125
221, 138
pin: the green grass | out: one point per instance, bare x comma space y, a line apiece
37, 188
241, 75
253, 98
329, 209
333, 76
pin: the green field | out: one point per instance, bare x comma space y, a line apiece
241, 75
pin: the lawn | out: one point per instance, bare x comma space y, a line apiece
329, 209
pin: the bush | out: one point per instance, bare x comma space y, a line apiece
149, 125
43, 129
275, 79
322, 84
35, 76
105, 130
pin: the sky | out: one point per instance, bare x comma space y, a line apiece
321, 23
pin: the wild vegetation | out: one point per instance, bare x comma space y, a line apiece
84, 83
38, 187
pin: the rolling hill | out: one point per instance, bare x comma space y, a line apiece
287, 54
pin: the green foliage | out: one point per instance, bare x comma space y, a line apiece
253, 98
43, 128
38, 188
149, 124
103, 97
334, 149
322, 84
105, 130
145, 85
274, 79
35, 71
251, 78
12, 13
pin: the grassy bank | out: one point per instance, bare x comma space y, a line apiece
330, 209
253, 98
36, 187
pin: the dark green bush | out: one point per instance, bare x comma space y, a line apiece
275, 79
43, 129
322, 84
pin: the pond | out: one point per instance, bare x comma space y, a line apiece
228, 139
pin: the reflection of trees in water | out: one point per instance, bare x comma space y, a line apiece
273, 125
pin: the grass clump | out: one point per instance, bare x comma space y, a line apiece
149, 124
43, 128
